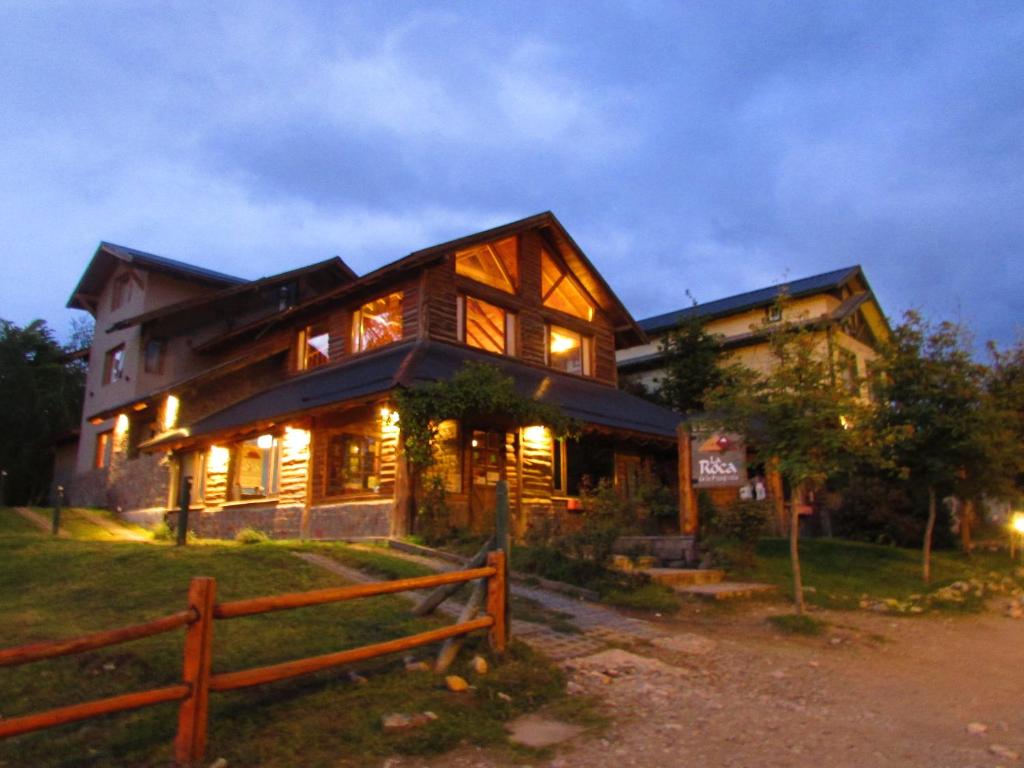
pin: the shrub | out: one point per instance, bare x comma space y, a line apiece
251, 536
798, 624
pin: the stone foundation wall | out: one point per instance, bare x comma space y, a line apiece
277, 522
350, 519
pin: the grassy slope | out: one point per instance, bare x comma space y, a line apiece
841, 571
51, 589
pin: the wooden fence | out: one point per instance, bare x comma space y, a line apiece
197, 679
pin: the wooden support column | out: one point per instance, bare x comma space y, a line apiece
190, 743
401, 510
688, 521
775, 490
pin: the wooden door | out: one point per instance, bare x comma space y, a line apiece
486, 468
628, 471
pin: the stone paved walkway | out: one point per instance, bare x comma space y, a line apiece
599, 626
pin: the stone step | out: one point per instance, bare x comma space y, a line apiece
682, 577
727, 590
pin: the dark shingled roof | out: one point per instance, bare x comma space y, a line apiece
415, 362
105, 259
750, 300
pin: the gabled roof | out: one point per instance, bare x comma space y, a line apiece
105, 259
342, 272
626, 328
414, 362
761, 297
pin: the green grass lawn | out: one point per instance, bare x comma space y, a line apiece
840, 572
51, 589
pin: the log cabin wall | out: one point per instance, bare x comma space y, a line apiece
442, 287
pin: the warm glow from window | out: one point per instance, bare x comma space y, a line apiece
377, 323
170, 418
561, 291
492, 264
488, 327
296, 439
568, 351
535, 435
121, 425
218, 461
561, 343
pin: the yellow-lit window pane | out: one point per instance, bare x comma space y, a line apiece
315, 345
560, 290
378, 322
494, 264
568, 351
485, 326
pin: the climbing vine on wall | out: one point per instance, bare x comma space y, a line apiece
476, 391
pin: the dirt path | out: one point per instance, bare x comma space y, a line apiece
872, 691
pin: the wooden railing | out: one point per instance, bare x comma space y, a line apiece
197, 679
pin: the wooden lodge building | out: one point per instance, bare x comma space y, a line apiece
274, 396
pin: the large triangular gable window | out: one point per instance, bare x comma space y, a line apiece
560, 290
492, 264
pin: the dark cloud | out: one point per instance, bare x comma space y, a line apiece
713, 147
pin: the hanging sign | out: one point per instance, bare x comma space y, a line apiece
719, 460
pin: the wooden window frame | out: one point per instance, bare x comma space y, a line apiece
510, 331
305, 359
161, 355
587, 362
513, 280
352, 433
270, 472
103, 449
566, 275
358, 336
109, 369
121, 293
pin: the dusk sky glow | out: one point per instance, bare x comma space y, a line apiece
709, 147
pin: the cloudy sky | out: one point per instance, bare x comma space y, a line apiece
714, 147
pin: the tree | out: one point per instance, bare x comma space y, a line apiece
40, 400
933, 401
692, 366
800, 414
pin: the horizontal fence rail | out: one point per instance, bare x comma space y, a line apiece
198, 620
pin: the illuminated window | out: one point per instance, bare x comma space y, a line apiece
104, 447
568, 351
377, 323
485, 326
314, 346
560, 290
113, 364
156, 351
122, 292
492, 264
353, 464
254, 468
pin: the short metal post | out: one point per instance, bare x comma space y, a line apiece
3, 487
183, 504
56, 510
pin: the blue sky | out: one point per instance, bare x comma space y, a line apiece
709, 147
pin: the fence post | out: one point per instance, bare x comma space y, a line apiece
503, 541
183, 504
56, 509
496, 603
190, 743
